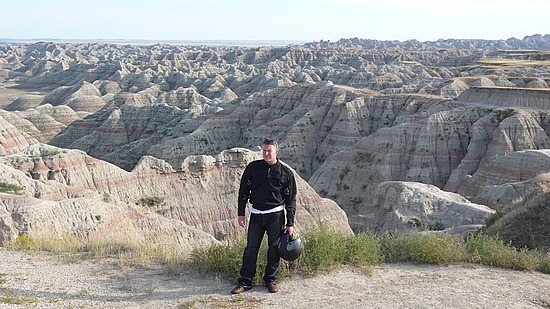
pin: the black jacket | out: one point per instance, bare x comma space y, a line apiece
267, 186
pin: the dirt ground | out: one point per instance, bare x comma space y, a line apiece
44, 282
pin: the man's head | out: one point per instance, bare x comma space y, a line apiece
270, 149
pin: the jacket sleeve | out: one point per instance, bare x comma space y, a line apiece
244, 191
290, 199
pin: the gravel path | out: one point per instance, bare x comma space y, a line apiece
43, 282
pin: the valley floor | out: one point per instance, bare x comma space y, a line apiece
48, 283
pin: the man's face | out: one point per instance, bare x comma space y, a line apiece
270, 153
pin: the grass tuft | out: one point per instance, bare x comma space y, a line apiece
15, 299
428, 248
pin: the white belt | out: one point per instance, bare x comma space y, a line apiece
263, 212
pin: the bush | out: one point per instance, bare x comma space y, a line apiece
151, 201
494, 218
226, 259
362, 250
10, 188
490, 250
23, 242
427, 248
324, 248
544, 265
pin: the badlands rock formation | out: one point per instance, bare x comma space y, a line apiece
67, 191
527, 219
405, 206
378, 127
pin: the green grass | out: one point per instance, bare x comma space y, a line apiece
226, 259
125, 250
7, 297
325, 249
422, 248
489, 250
2, 279
11, 188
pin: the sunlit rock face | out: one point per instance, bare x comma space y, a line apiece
68, 192
407, 206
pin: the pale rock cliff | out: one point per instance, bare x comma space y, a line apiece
526, 220
406, 206
95, 218
507, 97
504, 197
11, 139
516, 167
25, 102
199, 200
445, 148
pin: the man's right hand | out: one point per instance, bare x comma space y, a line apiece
240, 221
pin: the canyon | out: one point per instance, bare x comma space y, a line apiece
382, 135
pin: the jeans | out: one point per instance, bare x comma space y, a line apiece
271, 223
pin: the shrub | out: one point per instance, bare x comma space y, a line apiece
324, 247
526, 260
50, 153
23, 242
544, 265
490, 250
362, 250
11, 188
428, 248
494, 218
226, 259
393, 248
150, 201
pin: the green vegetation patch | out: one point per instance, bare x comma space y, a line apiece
10, 188
15, 299
150, 201
2, 278
326, 249
23, 242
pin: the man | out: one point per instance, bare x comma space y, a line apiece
270, 188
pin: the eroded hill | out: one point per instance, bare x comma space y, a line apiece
353, 120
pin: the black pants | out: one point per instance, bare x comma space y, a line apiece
260, 224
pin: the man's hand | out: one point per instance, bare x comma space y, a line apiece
290, 230
240, 221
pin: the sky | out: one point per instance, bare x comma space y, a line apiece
290, 20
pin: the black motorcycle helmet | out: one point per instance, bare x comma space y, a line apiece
289, 247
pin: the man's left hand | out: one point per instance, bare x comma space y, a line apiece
290, 230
